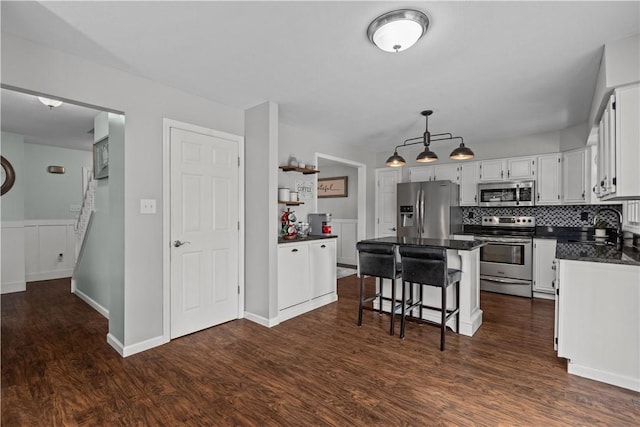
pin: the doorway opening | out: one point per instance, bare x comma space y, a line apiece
348, 211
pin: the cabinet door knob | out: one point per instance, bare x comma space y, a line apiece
323, 246
294, 250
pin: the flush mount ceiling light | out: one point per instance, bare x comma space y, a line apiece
51, 103
397, 30
460, 153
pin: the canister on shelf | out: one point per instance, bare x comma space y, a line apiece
284, 194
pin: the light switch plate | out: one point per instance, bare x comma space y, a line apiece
147, 206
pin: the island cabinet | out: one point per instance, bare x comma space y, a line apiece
598, 320
306, 276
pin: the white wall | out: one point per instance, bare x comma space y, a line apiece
47, 195
137, 271
12, 149
261, 238
305, 144
340, 207
12, 215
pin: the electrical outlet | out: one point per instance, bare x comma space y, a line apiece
147, 206
74, 208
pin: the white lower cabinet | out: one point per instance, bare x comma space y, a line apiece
293, 274
544, 253
306, 276
322, 268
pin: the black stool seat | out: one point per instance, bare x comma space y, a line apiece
381, 261
428, 266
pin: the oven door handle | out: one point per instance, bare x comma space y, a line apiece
501, 280
502, 240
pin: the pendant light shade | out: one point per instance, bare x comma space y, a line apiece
426, 156
397, 30
396, 160
461, 153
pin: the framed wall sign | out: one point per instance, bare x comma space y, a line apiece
101, 159
332, 187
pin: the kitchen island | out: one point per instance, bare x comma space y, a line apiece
463, 255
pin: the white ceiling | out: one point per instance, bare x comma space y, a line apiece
67, 126
489, 70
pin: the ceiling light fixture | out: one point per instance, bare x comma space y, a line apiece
51, 103
397, 30
460, 153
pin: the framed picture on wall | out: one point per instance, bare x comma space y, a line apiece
332, 187
101, 159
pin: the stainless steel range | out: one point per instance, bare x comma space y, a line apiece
506, 263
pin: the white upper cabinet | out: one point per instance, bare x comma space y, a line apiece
446, 172
434, 173
469, 173
493, 170
421, 173
548, 184
521, 168
620, 140
576, 173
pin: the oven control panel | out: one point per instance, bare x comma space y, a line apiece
508, 221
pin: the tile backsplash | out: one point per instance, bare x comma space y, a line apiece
553, 216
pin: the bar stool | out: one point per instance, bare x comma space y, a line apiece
428, 266
381, 261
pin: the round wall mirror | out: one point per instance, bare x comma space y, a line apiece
8, 175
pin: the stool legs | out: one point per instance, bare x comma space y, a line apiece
457, 285
361, 300
393, 307
443, 322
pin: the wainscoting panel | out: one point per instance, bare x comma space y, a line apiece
49, 249
13, 276
347, 232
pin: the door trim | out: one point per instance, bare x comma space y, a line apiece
167, 125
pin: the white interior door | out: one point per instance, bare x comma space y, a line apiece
386, 190
204, 218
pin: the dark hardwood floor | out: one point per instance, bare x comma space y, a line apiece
316, 369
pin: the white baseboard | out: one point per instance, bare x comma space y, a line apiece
10, 287
269, 323
117, 345
129, 350
49, 275
603, 376
84, 297
544, 295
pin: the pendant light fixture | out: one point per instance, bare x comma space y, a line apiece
51, 103
397, 30
426, 156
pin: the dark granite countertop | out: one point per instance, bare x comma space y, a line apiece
307, 238
579, 244
461, 245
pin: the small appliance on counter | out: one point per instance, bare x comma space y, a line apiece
319, 224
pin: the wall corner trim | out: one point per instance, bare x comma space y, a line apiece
139, 347
269, 323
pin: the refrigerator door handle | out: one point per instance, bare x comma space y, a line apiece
421, 213
418, 211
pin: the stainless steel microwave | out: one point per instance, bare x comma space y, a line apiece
510, 193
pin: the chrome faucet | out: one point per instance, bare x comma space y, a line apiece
618, 215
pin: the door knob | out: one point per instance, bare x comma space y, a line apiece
392, 229
178, 243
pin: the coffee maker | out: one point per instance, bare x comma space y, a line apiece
319, 224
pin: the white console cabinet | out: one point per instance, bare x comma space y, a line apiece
306, 276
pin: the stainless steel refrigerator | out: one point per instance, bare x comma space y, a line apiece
429, 209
